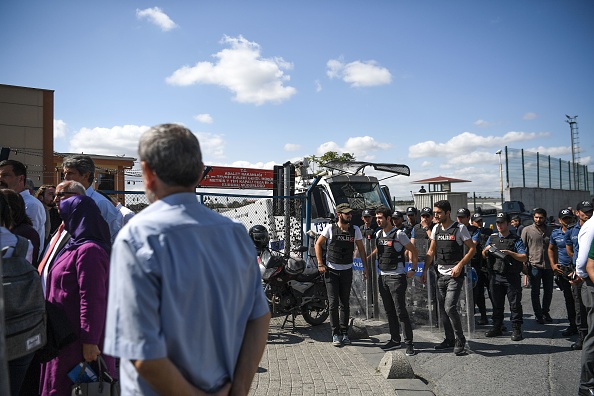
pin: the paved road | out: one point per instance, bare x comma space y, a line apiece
305, 363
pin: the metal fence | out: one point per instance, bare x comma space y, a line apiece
282, 216
529, 169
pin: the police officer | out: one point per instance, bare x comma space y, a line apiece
367, 229
584, 212
411, 215
420, 238
398, 221
447, 240
562, 267
479, 265
506, 254
391, 245
338, 268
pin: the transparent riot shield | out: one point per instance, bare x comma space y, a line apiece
364, 292
421, 299
466, 304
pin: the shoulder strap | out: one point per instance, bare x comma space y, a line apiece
20, 249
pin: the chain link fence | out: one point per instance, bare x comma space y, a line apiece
283, 217
529, 169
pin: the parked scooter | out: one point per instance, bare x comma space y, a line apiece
289, 291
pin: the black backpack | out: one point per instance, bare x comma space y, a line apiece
24, 305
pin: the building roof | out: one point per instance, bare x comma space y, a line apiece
441, 179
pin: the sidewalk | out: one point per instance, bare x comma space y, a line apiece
306, 363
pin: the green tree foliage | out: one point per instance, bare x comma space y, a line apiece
330, 156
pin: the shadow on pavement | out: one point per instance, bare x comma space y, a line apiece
513, 348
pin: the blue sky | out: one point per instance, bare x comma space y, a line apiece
439, 86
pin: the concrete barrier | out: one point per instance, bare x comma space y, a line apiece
395, 365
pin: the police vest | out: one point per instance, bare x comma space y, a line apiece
421, 241
507, 265
387, 255
448, 251
368, 233
478, 261
342, 245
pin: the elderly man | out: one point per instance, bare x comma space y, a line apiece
177, 319
13, 175
81, 168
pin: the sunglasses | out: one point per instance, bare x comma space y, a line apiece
63, 193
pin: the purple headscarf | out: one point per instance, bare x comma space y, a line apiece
84, 222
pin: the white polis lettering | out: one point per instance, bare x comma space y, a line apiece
384, 242
442, 237
347, 238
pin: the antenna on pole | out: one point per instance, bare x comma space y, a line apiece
575, 149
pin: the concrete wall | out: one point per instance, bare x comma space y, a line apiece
550, 199
26, 126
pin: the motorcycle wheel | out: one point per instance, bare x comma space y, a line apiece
315, 316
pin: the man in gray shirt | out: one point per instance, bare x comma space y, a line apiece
536, 239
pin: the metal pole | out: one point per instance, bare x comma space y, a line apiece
287, 193
500, 177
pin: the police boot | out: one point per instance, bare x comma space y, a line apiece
495, 331
577, 346
516, 332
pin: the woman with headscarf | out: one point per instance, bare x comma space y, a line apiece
77, 283
21, 223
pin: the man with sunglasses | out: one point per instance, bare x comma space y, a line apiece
505, 265
342, 238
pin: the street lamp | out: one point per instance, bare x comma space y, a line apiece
500, 177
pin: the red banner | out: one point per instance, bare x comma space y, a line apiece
242, 178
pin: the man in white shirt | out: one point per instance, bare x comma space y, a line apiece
13, 175
81, 168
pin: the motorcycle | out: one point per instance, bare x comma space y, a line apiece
291, 292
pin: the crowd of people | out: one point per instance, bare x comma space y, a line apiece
544, 253
136, 297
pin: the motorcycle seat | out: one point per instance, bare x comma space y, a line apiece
308, 277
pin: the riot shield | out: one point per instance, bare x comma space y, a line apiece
364, 292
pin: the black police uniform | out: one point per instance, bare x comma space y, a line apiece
482, 282
505, 280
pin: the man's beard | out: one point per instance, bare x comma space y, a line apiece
344, 220
150, 195
3, 185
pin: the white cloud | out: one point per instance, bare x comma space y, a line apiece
123, 140
467, 142
157, 16
318, 85
553, 151
118, 140
482, 123
292, 147
529, 116
241, 69
359, 74
361, 147
426, 164
59, 129
212, 145
204, 118
257, 165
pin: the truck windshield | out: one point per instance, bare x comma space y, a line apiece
363, 195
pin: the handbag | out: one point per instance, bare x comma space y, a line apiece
105, 386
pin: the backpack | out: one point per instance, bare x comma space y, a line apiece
24, 304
